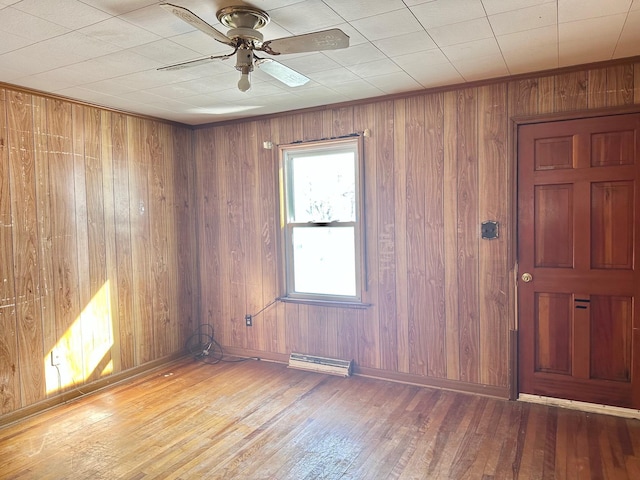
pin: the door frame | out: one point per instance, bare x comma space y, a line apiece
517, 121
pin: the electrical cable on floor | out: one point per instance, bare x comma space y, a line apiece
203, 347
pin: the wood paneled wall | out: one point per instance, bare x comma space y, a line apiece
436, 166
97, 235
101, 259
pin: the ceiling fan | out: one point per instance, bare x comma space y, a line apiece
245, 39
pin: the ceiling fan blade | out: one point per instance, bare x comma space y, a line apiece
281, 72
194, 63
332, 39
194, 20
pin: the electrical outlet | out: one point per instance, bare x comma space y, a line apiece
55, 357
248, 320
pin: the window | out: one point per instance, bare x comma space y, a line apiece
322, 220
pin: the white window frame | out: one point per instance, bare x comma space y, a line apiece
306, 149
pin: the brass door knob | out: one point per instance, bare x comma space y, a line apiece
526, 277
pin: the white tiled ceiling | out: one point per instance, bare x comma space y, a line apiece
107, 52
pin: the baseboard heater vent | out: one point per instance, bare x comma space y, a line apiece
331, 366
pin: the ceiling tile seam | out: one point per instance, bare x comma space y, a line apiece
626, 19
557, 34
506, 64
434, 42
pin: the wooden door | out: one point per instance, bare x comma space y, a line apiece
578, 233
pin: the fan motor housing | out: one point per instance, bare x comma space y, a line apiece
246, 34
243, 17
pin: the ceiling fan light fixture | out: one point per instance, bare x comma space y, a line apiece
244, 83
244, 63
243, 36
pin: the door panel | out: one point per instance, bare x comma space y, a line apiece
553, 333
578, 236
611, 338
612, 148
612, 225
553, 153
553, 218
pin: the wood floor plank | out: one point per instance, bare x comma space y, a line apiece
259, 420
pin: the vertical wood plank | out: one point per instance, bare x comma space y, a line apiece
62, 177
111, 262
385, 200
184, 166
154, 151
9, 364
238, 150
139, 212
271, 324
222, 322
493, 204
234, 150
523, 97
369, 341
297, 128
597, 94
173, 324
315, 126
620, 85
468, 280
303, 338
571, 91
416, 175
546, 95
327, 123
347, 343
318, 331
124, 266
342, 121
450, 210
280, 130
251, 201
45, 252
400, 202
332, 332
297, 327
435, 339
99, 340
25, 248
215, 242
83, 323
207, 178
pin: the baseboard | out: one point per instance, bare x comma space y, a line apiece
86, 389
582, 406
432, 382
246, 353
406, 378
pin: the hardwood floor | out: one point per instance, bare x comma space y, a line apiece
258, 420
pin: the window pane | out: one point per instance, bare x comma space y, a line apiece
323, 188
324, 260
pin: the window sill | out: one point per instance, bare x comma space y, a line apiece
325, 303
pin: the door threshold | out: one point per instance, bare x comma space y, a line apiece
582, 406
